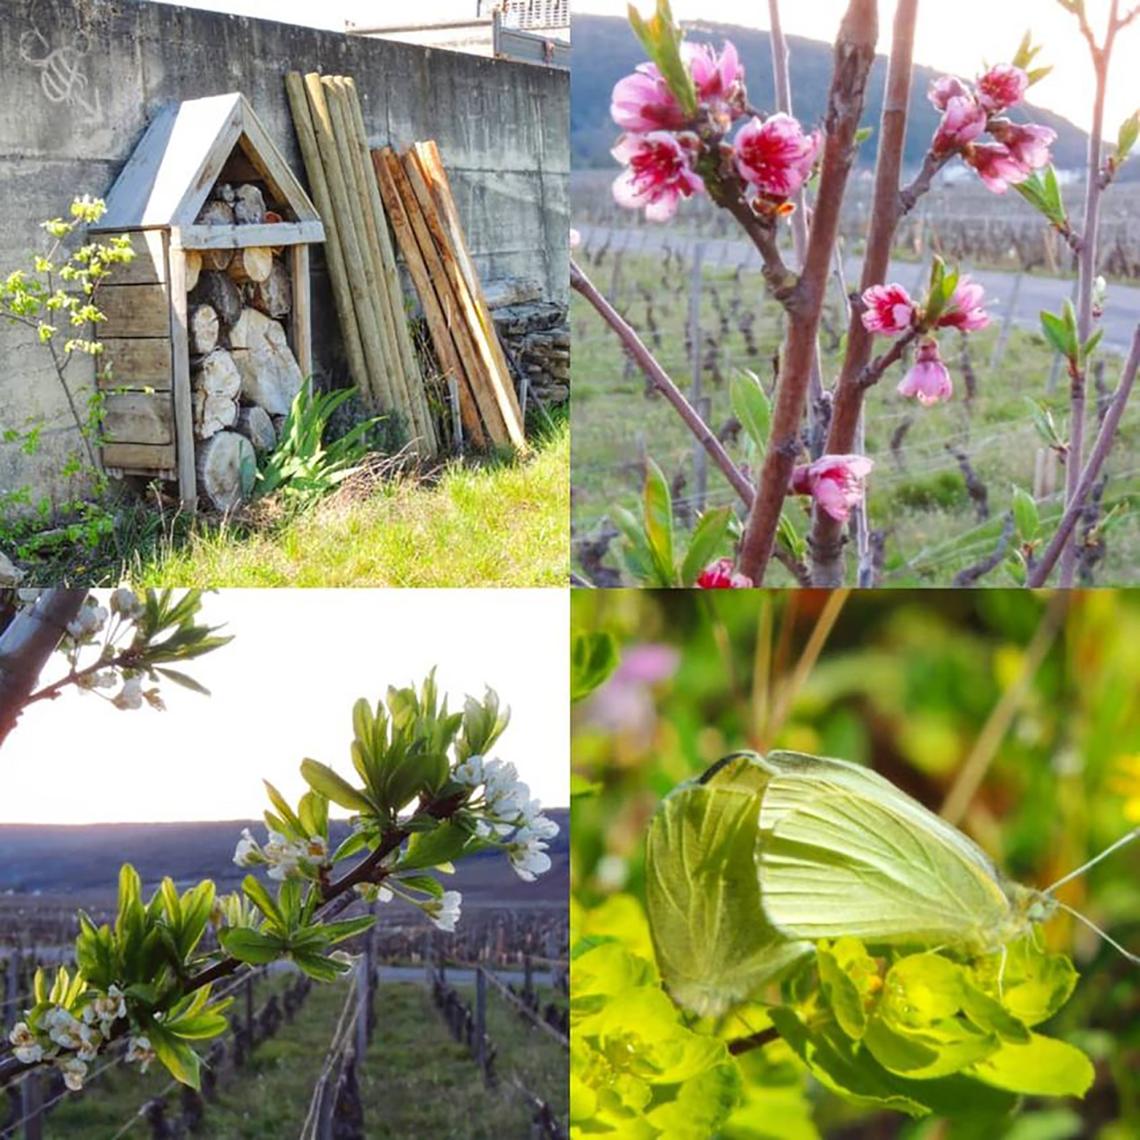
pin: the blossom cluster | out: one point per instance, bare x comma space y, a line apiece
285, 858
889, 310
664, 148
1014, 151
71, 1043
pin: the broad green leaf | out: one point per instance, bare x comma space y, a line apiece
659, 522
251, 945
180, 1060
751, 407
335, 932
318, 967
706, 542
430, 848
1058, 335
183, 679
713, 944
321, 778
848, 976
1026, 515
1041, 1067
593, 658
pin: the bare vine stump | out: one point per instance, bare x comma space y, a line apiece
270, 375
193, 1110
348, 1112
257, 426
253, 264
226, 468
203, 329
154, 1113
221, 294
274, 295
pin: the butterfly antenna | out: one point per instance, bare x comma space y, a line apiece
1093, 926
1123, 841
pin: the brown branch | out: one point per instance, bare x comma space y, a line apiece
1103, 445
873, 371
887, 207
758, 1040
661, 380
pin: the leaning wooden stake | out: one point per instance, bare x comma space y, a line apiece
334, 254
434, 310
393, 293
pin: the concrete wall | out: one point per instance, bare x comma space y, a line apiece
79, 80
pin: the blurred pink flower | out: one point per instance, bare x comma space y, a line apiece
834, 481
775, 157
643, 102
658, 173
722, 575
964, 310
1002, 86
889, 309
996, 167
1028, 143
647, 664
928, 379
962, 121
945, 88
626, 703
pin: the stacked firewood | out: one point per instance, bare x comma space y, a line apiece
244, 375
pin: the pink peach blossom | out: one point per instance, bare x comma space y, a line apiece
1002, 86
774, 156
889, 309
964, 310
834, 481
945, 88
1029, 143
929, 379
643, 102
722, 575
719, 79
962, 122
658, 172
996, 166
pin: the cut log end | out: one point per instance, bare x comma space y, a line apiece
226, 469
203, 329
256, 425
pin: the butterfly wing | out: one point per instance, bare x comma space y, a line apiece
713, 944
842, 851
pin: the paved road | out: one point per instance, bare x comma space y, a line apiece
1036, 292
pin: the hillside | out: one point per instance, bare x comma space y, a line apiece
61, 860
605, 49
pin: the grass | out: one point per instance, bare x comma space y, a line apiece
494, 522
918, 494
416, 1080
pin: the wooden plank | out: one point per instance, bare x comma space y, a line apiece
426, 158
393, 293
138, 417
473, 366
301, 316
140, 458
148, 266
240, 237
138, 363
180, 383
334, 255
468, 315
384, 161
134, 310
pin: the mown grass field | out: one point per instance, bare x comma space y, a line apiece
417, 1081
918, 494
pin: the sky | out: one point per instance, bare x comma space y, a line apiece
957, 37
283, 690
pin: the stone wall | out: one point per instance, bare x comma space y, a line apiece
81, 78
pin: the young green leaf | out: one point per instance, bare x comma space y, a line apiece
593, 658
321, 778
751, 406
707, 541
1026, 515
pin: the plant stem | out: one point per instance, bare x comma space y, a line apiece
1086, 272
662, 382
1103, 445
758, 1040
887, 207
854, 55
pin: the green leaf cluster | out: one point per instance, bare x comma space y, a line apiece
1043, 192
648, 548
1062, 333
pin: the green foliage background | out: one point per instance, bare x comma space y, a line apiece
904, 682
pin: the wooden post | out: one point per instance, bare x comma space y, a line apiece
363, 992
302, 309
334, 255
180, 381
249, 1010
31, 1106
700, 458
481, 1021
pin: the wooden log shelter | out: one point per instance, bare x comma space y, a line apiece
212, 317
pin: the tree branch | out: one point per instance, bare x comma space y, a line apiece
661, 381
887, 207
1103, 445
758, 1040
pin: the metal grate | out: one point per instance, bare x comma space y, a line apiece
535, 14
